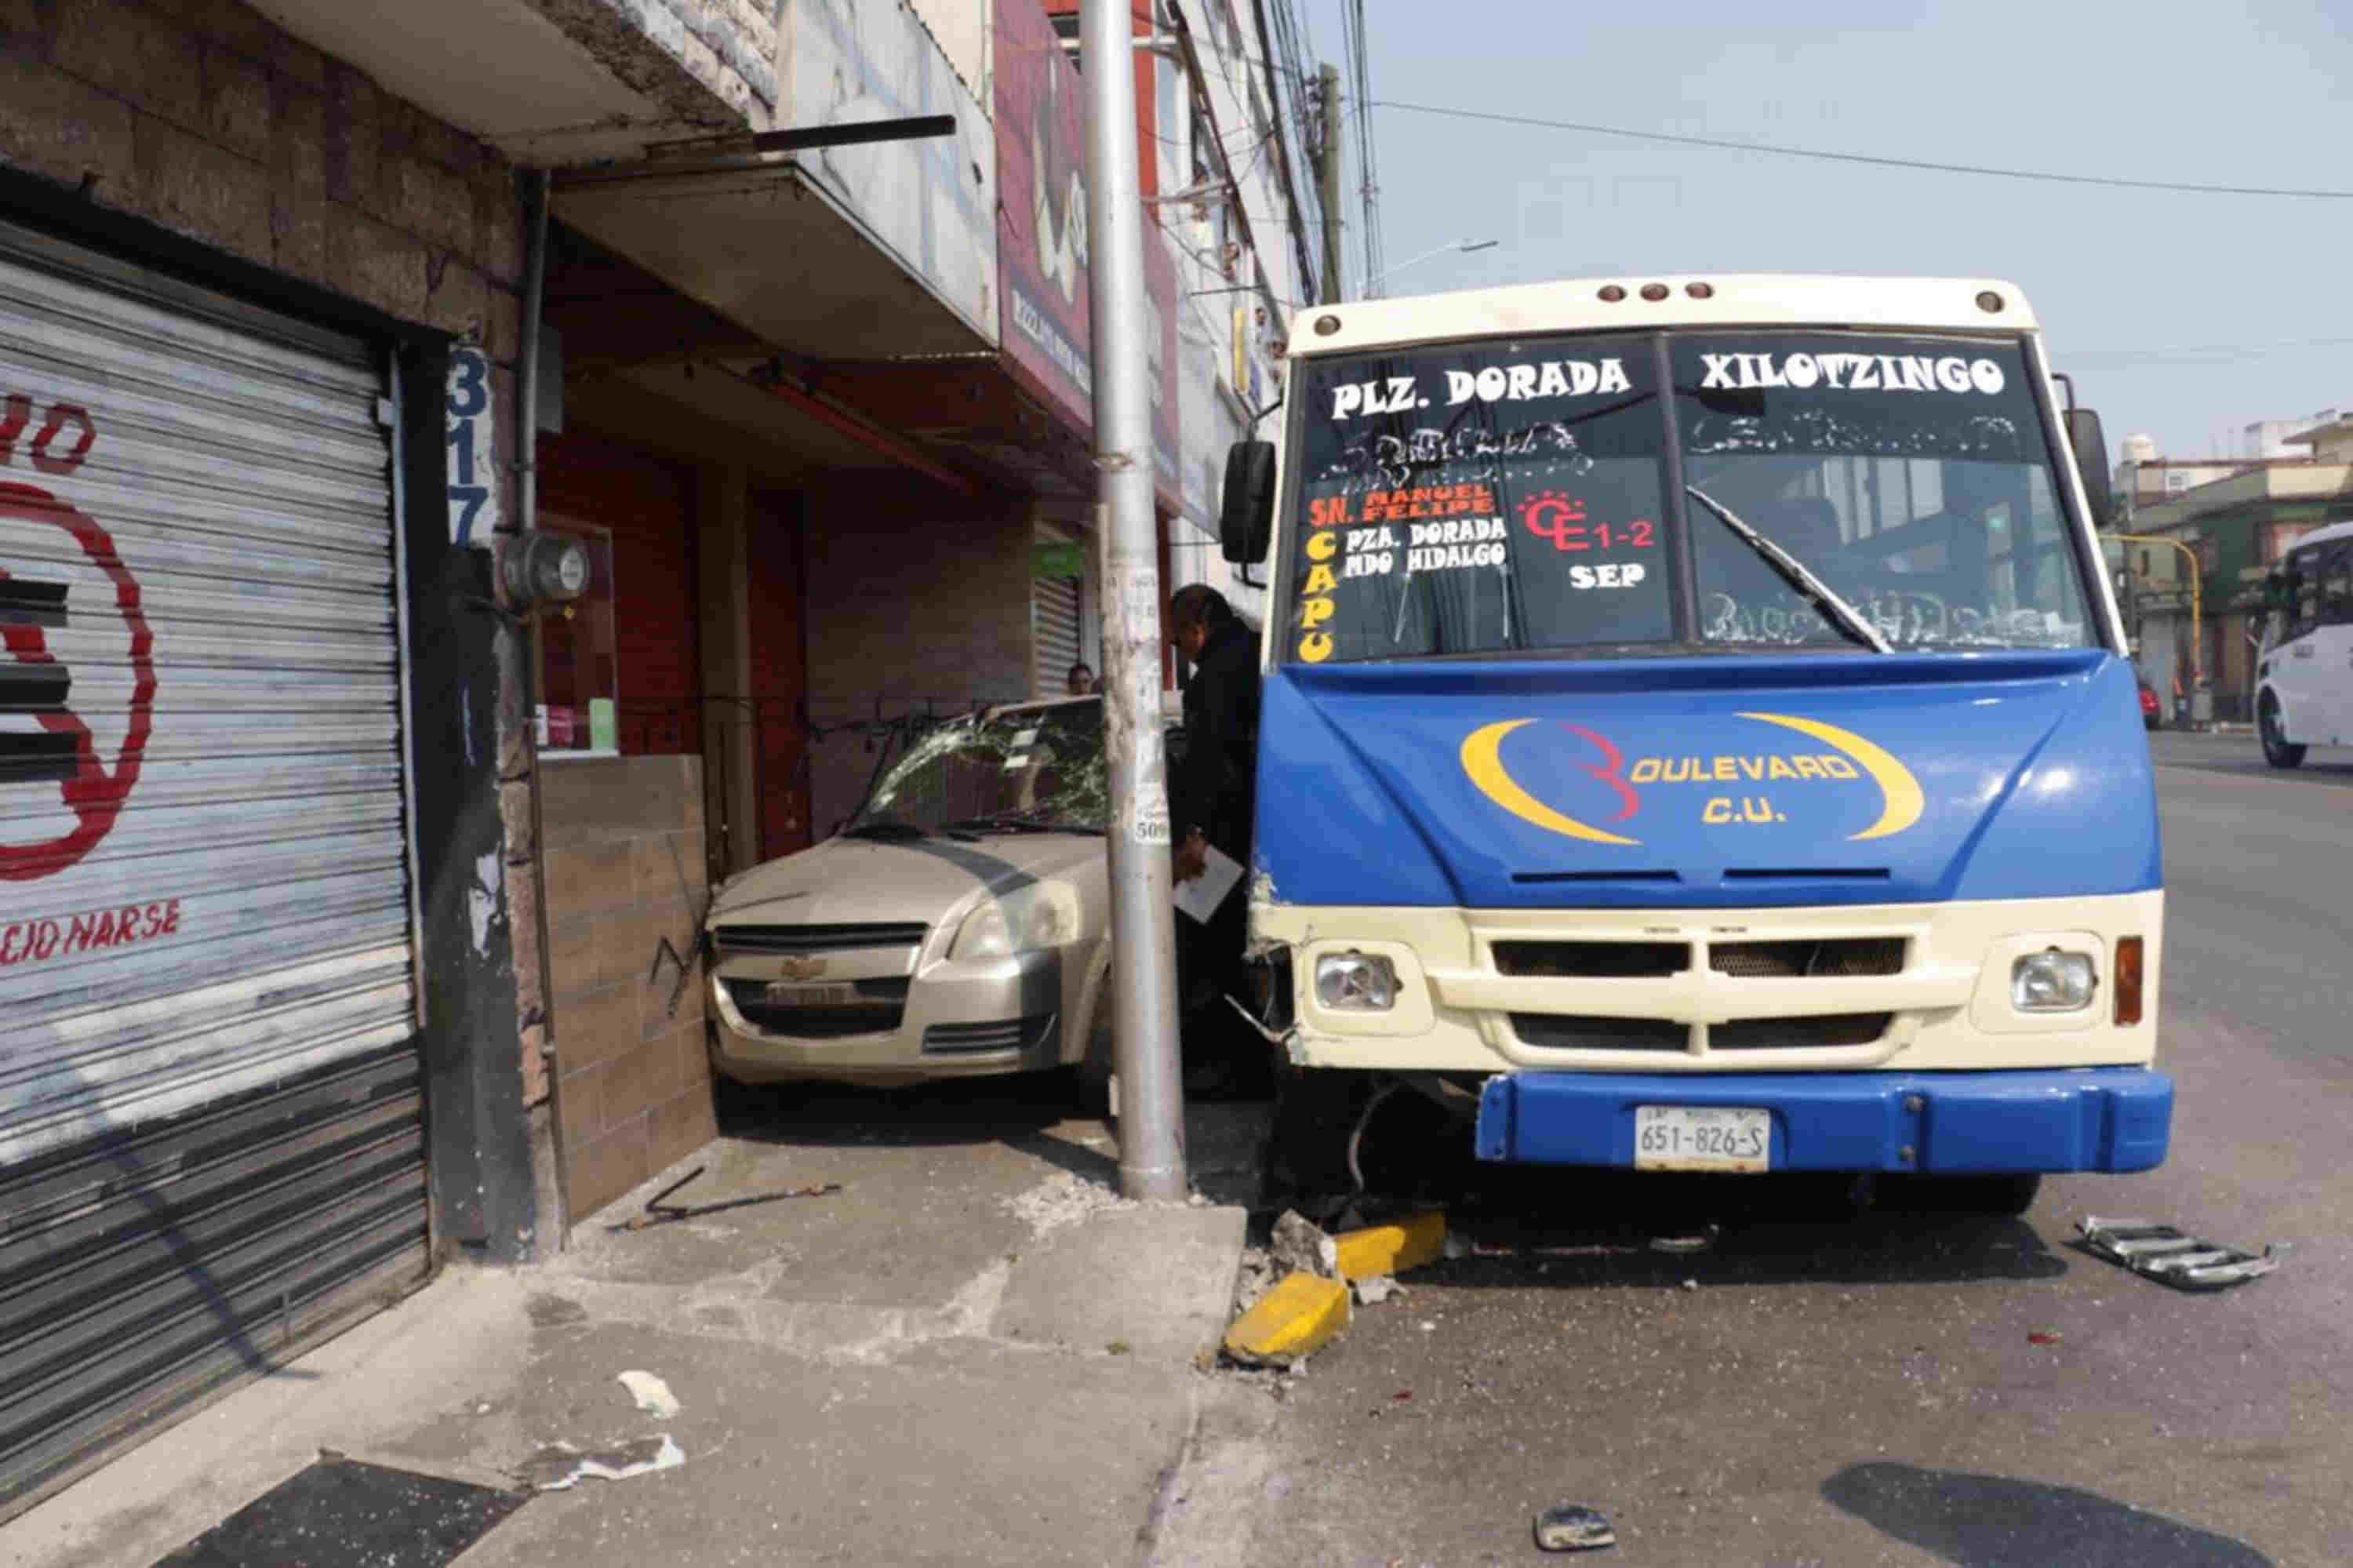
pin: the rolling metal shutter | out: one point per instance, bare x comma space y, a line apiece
1053, 633
210, 1095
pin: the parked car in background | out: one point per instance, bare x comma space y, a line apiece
958, 925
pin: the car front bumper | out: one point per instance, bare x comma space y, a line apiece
960, 1020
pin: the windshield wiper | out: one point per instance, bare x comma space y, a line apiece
886, 832
1842, 615
1010, 823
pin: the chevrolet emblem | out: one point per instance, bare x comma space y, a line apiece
801, 969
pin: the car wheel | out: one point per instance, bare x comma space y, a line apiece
1090, 1075
2278, 751
2007, 1196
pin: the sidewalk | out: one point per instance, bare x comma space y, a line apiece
972, 1352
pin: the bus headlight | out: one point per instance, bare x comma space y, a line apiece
1355, 982
2052, 981
1041, 915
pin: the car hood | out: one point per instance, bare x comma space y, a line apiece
847, 881
1720, 781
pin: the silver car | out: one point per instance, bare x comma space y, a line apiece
958, 925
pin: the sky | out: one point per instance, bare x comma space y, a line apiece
2256, 93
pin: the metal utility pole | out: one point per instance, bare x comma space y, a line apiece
1143, 931
1327, 179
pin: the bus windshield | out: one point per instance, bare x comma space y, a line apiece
1699, 490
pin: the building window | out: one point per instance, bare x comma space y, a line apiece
576, 671
1066, 27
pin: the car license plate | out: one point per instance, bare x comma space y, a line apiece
1702, 1138
793, 993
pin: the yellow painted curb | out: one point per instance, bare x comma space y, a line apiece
1299, 1316
1391, 1249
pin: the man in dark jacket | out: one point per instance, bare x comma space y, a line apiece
1212, 793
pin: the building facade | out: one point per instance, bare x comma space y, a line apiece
349, 894
2236, 525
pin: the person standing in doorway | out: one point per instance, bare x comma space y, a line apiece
1212, 796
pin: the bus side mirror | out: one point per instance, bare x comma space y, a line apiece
2092, 462
1246, 518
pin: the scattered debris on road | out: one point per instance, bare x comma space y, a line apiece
1393, 1248
1698, 1241
2173, 1256
560, 1465
659, 1211
1299, 1317
1300, 1245
652, 1394
1296, 1294
1064, 1198
1573, 1527
1256, 1277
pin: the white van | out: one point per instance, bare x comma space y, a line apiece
2303, 685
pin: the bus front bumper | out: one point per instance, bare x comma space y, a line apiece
1962, 1123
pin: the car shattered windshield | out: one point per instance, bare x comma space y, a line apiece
1546, 495
1023, 769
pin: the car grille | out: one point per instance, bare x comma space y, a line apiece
1798, 1033
970, 1039
1592, 960
816, 938
882, 1007
1836, 956
1576, 1031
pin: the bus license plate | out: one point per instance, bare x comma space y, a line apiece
1702, 1138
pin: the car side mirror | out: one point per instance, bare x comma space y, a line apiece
2091, 449
1246, 518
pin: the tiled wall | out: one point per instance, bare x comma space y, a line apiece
918, 602
625, 870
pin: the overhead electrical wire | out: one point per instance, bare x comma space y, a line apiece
2207, 353
1930, 165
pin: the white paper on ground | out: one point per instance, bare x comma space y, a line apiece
652, 1394
1200, 897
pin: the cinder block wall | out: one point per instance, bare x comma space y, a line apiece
918, 599
625, 870
204, 117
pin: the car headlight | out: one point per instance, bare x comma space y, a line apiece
1355, 982
1041, 914
2052, 981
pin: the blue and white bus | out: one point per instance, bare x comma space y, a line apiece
1698, 733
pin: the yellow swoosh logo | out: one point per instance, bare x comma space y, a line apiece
1482, 761
1901, 791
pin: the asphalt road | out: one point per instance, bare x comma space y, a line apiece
1897, 1388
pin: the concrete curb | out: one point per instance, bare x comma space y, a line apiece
1154, 1281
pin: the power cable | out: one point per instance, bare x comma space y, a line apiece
1727, 145
2208, 350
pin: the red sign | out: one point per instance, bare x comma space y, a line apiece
93, 789
1041, 211
1042, 240
92, 931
